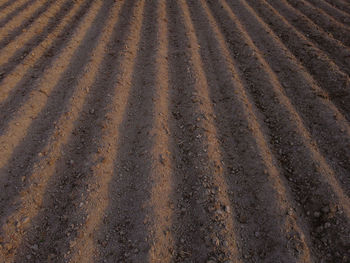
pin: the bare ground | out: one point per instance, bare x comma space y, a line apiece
175, 131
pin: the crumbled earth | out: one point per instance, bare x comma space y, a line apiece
175, 131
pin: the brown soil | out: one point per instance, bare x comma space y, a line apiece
175, 131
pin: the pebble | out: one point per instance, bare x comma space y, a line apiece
317, 214
216, 241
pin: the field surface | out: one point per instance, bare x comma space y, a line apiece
175, 131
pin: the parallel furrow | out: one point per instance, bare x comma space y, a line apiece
283, 129
339, 53
32, 195
339, 15
262, 173
174, 131
328, 75
328, 23
12, 10
201, 191
340, 5
127, 233
22, 17
23, 38
97, 236
13, 133
252, 29
7, 4
39, 57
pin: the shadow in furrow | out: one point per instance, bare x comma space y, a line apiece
339, 15
15, 12
328, 23
4, 5
58, 222
35, 40
321, 213
317, 99
22, 27
26, 153
340, 5
337, 52
326, 130
329, 77
201, 228
19, 93
124, 234
264, 234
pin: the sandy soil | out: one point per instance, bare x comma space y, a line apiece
175, 131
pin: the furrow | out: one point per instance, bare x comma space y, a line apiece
162, 166
288, 137
7, 4
162, 172
37, 99
205, 228
325, 72
159, 131
331, 176
339, 15
127, 232
35, 195
25, 36
86, 241
339, 53
340, 5
39, 57
255, 161
14, 8
16, 21
328, 23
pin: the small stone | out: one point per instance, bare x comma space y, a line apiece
317, 214
92, 111
28, 257
35, 247
216, 241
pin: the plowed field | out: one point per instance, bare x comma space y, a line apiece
175, 131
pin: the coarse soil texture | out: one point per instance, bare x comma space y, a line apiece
214, 131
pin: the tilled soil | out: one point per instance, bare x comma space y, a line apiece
175, 131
